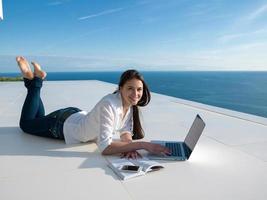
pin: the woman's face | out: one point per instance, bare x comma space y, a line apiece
131, 92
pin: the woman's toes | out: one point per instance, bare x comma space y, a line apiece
24, 67
38, 71
18, 58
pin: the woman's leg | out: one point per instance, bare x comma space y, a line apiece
42, 74
32, 119
29, 122
41, 110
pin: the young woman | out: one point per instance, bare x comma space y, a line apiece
115, 113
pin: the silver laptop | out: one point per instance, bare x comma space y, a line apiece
181, 150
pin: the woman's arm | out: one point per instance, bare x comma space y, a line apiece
107, 118
122, 147
126, 137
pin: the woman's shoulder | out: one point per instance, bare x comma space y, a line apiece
110, 99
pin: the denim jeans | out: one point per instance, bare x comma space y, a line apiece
33, 119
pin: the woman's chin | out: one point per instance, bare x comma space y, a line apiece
134, 103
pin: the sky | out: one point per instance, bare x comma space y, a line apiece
114, 35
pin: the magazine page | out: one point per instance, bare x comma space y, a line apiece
117, 165
143, 164
148, 165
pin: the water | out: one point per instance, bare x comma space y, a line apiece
240, 91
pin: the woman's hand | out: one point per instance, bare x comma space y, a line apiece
126, 148
131, 155
157, 149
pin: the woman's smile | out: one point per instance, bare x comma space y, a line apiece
134, 99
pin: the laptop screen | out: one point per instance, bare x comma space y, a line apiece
194, 132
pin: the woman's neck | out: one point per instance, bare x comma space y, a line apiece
125, 108
124, 105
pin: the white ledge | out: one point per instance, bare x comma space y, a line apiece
229, 161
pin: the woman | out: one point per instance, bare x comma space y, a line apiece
115, 113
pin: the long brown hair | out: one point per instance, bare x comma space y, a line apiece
138, 132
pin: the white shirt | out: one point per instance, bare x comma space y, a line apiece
101, 124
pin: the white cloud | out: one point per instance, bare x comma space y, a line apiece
230, 37
106, 12
240, 57
249, 56
258, 12
55, 3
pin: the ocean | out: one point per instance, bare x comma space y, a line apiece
240, 91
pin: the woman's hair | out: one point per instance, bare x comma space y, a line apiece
138, 132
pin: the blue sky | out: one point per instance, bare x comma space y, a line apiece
96, 35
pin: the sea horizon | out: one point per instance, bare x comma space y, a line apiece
243, 91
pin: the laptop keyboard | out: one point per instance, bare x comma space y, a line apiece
175, 148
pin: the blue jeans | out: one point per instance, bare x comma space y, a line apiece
33, 119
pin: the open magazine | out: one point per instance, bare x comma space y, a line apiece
130, 168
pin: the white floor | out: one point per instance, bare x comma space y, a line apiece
229, 162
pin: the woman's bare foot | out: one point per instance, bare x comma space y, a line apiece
38, 71
24, 67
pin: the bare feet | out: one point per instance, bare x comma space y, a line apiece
24, 67
38, 71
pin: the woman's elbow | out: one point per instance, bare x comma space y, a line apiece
106, 151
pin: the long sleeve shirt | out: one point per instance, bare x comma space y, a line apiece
101, 124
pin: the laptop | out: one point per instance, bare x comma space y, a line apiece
181, 150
